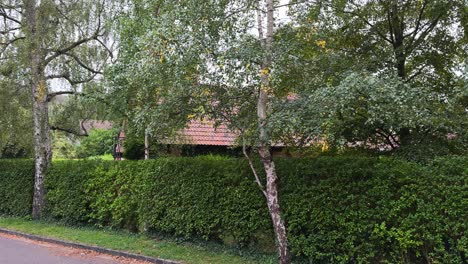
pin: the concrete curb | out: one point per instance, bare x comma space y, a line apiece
86, 247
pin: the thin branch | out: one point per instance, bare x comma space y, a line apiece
10, 7
50, 96
70, 47
12, 19
67, 18
7, 44
6, 31
11, 41
105, 47
370, 25
252, 167
418, 23
78, 60
72, 82
70, 131
420, 70
291, 4
423, 35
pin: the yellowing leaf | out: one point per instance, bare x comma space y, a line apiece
264, 71
321, 43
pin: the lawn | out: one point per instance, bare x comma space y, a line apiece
135, 243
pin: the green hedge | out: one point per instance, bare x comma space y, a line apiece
16, 186
338, 209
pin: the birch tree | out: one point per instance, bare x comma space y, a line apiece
264, 150
210, 59
55, 42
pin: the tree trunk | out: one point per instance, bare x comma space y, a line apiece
264, 148
279, 226
42, 148
397, 29
146, 145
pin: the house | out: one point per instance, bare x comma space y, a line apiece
200, 138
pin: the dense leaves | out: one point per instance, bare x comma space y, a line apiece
99, 142
338, 209
16, 185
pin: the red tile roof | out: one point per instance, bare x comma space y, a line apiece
89, 125
205, 133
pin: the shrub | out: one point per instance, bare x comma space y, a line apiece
99, 142
16, 185
66, 184
134, 147
337, 209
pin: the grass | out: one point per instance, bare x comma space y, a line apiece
135, 243
101, 157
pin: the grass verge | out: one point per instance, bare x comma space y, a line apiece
135, 243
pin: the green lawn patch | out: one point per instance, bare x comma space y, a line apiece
135, 243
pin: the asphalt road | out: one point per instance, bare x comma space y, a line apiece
14, 250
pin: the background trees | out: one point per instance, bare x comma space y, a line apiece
417, 49
53, 43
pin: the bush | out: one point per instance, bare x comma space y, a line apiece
377, 210
337, 209
99, 142
134, 147
66, 184
16, 186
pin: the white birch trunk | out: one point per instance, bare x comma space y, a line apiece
42, 147
146, 145
264, 148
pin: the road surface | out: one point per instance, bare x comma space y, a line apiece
16, 250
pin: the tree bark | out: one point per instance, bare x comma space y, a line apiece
264, 148
279, 226
146, 145
397, 30
42, 148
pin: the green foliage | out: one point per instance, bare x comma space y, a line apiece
16, 186
134, 147
373, 112
376, 210
64, 146
99, 142
15, 120
337, 209
65, 183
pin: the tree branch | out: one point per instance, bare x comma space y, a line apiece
105, 47
70, 131
10, 18
72, 82
418, 23
415, 42
10, 7
291, 4
8, 43
78, 60
69, 48
6, 31
252, 167
50, 96
356, 14
420, 70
